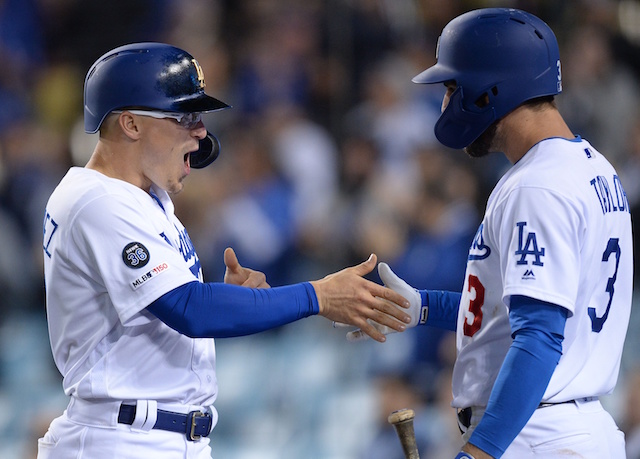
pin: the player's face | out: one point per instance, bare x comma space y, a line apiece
168, 146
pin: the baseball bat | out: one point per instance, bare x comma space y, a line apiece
402, 420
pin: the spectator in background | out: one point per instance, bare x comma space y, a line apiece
76, 31
600, 96
442, 222
359, 159
257, 216
305, 153
275, 67
22, 56
392, 118
33, 158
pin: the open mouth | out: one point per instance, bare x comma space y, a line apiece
187, 163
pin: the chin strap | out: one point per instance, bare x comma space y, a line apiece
207, 153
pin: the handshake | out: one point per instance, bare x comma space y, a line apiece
417, 311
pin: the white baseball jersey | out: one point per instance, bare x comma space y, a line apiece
110, 249
557, 228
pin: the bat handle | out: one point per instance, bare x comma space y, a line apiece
402, 420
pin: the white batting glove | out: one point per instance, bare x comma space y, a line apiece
417, 312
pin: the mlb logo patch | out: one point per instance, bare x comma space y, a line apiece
162, 267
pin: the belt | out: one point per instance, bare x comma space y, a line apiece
464, 419
195, 424
464, 415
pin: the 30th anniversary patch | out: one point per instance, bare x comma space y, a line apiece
135, 255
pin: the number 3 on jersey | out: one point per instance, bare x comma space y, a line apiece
475, 305
613, 246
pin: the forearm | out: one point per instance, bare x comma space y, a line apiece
538, 329
508, 409
216, 310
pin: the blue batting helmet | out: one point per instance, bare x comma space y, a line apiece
149, 76
498, 58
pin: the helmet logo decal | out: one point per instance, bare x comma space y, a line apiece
146, 75
200, 73
559, 76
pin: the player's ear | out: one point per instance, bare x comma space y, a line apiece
129, 124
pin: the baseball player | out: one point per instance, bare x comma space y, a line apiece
130, 319
544, 309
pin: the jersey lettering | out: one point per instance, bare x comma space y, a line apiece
530, 247
187, 250
475, 306
186, 246
613, 246
49, 228
615, 201
621, 195
164, 236
479, 251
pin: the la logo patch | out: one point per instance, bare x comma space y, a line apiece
528, 246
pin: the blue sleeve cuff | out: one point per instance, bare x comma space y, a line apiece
313, 298
443, 308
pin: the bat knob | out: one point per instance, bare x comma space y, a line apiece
402, 415
402, 421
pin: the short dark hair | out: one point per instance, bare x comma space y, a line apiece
539, 102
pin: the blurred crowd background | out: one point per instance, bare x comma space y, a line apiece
328, 155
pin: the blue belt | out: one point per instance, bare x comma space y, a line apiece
194, 424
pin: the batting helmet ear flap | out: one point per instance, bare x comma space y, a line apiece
207, 153
458, 127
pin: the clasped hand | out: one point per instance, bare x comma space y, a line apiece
417, 312
347, 297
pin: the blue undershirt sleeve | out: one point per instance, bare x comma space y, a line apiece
217, 310
443, 308
538, 331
